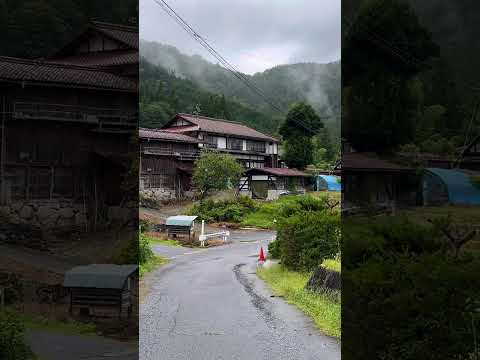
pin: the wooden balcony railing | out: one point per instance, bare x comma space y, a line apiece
73, 113
184, 154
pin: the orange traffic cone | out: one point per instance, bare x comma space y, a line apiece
262, 255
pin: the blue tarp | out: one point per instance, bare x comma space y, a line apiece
459, 186
328, 182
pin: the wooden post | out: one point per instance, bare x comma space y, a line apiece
85, 207
2, 297
96, 201
2, 158
52, 178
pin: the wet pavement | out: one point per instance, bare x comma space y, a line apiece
208, 304
49, 345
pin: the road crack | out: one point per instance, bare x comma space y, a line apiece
259, 302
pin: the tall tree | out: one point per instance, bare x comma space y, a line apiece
384, 51
298, 129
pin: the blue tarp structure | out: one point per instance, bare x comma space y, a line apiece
328, 182
458, 186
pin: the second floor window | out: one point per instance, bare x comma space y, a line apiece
210, 141
234, 144
257, 146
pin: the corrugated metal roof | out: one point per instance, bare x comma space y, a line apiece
181, 220
220, 126
164, 135
280, 172
99, 276
21, 70
460, 189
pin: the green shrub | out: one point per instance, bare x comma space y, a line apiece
145, 252
300, 204
307, 238
224, 210
420, 300
137, 251
397, 276
274, 249
12, 345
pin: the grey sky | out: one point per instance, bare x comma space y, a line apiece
253, 35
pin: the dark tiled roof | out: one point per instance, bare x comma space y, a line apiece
100, 59
280, 172
21, 70
165, 136
127, 35
368, 162
220, 126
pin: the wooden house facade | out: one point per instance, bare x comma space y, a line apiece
167, 161
369, 180
66, 129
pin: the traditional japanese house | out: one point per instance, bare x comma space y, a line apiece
367, 179
76, 118
250, 147
167, 161
270, 183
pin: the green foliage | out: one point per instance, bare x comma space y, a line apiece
38, 28
274, 249
226, 210
307, 238
145, 252
298, 129
382, 87
397, 274
163, 94
216, 171
12, 330
476, 181
268, 212
137, 251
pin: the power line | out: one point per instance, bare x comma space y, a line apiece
236, 73
373, 36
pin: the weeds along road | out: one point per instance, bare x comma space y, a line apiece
208, 304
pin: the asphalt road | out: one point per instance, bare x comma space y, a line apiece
49, 345
208, 304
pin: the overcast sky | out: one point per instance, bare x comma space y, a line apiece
253, 35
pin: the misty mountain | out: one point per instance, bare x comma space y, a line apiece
317, 84
163, 94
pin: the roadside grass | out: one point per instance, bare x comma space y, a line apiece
66, 326
152, 264
268, 211
156, 238
460, 214
332, 264
323, 308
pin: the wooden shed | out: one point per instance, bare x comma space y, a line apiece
101, 290
270, 183
181, 225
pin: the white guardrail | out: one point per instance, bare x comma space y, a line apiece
225, 235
